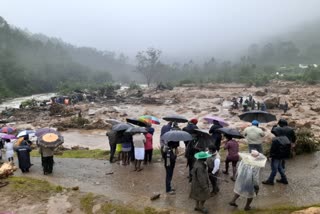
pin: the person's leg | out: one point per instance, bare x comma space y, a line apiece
168, 180
215, 187
274, 168
203, 209
247, 207
112, 151
259, 148
197, 208
234, 170
250, 147
50, 164
227, 167
145, 157
135, 165
139, 165
282, 174
150, 155
234, 199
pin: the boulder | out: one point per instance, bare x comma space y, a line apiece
315, 108
271, 102
310, 210
284, 91
260, 93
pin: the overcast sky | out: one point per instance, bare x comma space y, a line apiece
177, 27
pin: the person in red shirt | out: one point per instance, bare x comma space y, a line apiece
148, 146
233, 148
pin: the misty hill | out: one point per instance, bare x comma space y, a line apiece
36, 63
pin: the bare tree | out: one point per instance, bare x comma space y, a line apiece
149, 64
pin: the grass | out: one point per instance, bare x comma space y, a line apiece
30, 186
276, 210
94, 154
87, 202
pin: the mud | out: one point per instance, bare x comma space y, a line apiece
133, 187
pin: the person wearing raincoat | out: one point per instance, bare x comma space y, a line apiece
9, 150
47, 159
200, 190
247, 182
23, 153
216, 135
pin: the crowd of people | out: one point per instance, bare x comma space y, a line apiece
204, 160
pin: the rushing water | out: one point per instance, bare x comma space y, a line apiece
15, 102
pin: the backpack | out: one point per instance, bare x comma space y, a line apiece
284, 147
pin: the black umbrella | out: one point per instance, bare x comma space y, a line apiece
261, 116
113, 121
177, 136
121, 127
136, 122
134, 130
176, 118
231, 132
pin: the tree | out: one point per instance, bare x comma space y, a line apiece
149, 64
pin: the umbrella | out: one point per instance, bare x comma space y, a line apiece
221, 121
261, 116
8, 136
43, 131
134, 130
177, 136
121, 127
25, 132
136, 122
50, 140
113, 121
232, 132
176, 118
7, 129
201, 131
149, 119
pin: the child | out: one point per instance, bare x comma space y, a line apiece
233, 148
148, 147
9, 150
213, 163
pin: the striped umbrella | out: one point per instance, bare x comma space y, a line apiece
149, 119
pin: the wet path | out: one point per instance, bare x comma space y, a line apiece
136, 187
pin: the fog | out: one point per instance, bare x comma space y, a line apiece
181, 29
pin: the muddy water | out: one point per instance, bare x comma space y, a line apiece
93, 139
14, 103
136, 187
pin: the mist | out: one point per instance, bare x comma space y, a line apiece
181, 29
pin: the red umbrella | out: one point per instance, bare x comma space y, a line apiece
7, 129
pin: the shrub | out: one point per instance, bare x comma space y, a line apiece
306, 142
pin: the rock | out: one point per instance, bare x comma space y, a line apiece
284, 91
315, 108
260, 93
96, 208
69, 210
155, 196
271, 102
303, 124
310, 210
75, 188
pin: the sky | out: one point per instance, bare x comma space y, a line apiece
180, 28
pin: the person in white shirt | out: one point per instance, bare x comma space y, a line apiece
254, 136
9, 150
213, 168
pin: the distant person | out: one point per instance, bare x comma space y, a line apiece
280, 150
216, 135
263, 107
1, 147
254, 136
148, 147
253, 104
8, 146
285, 107
112, 137
247, 182
200, 190
241, 101
213, 164
233, 148
191, 126
258, 105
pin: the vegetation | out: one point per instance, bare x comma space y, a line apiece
94, 154
276, 210
306, 142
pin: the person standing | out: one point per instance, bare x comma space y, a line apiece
47, 159
127, 143
247, 182
164, 129
9, 150
148, 147
138, 142
169, 156
216, 135
254, 136
233, 148
213, 163
23, 153
200, 190
113, 138
280, 150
